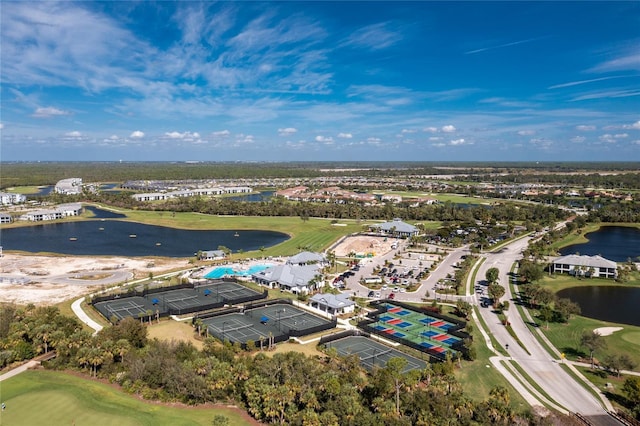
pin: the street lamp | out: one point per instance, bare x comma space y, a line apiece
224, 323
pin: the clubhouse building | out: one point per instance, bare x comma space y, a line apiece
585, 266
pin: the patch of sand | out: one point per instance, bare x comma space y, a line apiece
46, 280
363, 244
607, 331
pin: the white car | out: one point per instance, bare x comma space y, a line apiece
385, 287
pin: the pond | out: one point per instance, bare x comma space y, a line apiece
617, 243
254, 198
616, 304
119, 238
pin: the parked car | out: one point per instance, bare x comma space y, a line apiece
392, 296
371, 294
385, 287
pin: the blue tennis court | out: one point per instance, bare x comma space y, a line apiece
429, 333
404, 324
386, 318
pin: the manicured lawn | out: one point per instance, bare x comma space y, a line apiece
26, 190
54, 398
479, 377
169, 329
557, 282
566, 337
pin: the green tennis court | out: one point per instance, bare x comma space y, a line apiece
373, 354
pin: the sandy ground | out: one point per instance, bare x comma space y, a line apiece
607, 331
363, 244
52, 279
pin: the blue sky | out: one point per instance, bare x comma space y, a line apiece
288, 81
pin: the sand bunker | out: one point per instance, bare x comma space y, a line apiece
607, 331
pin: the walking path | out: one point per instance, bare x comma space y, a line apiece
26, 366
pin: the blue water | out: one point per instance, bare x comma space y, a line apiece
617, 243
254, 198
113, 237
226, 271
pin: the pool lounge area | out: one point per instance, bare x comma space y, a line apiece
235, 271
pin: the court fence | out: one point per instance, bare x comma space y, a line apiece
341, 335
184, 286
287, 332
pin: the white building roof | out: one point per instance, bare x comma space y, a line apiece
588, 261
289, 275
334, 301
306, 257
399, 226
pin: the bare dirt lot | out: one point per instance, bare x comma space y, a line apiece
52, 279
363, 244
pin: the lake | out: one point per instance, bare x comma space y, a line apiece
119, 238
254, 198
617, 243
607, 303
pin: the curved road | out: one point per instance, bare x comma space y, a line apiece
539, 365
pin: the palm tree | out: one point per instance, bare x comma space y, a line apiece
592, 341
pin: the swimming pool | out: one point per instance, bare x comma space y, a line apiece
223, 271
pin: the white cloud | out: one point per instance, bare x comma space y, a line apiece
608, 138
634, 126
585, 128
457, 142
374, 141
435, 138
74, 134
113, 138
324, 139
48, 112
448, 128
578, 139
439, 144
374, 37
137, 134
408, 131
621, 135
430, 129
526, 132
345, 135
287, 131
185, 135
1, 126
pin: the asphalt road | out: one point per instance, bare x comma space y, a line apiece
538, 364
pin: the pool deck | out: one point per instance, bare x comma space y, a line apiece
240, 267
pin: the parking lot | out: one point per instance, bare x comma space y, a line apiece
409, 270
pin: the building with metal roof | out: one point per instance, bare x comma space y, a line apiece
587, 266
